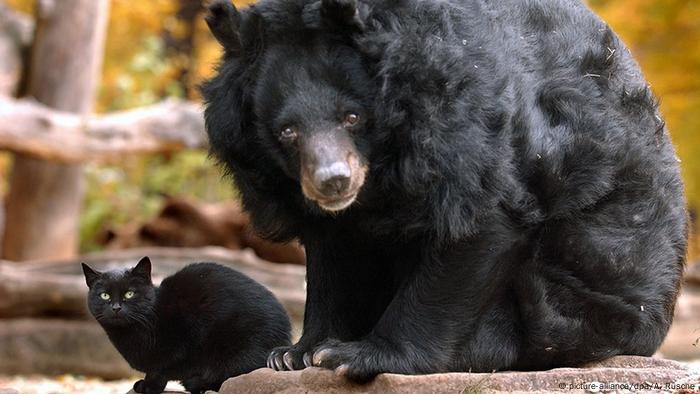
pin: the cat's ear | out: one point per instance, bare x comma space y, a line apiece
143, 269
90, 274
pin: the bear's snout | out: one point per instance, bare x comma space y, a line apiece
333, 180
332, 170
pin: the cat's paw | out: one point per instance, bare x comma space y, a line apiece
198, 384
287, 358
139, 386
144, 387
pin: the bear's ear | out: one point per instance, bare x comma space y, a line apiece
335, 15
253, 36
224, 21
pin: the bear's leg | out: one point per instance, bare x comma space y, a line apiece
604, 282
429, 321
347, 292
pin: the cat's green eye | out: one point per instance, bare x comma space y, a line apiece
129, 294
104, 296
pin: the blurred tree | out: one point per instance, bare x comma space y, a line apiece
136, 70
180, 40
142, 66
155, 49
16, 30
44, 198
665, 38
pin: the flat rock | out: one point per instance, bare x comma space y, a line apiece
621, 374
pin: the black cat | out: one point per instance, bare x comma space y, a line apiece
204, 324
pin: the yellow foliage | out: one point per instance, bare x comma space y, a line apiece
663, 35
136, 70
26, 6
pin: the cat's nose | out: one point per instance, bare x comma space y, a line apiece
116, 308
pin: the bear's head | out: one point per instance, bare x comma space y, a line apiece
291, 104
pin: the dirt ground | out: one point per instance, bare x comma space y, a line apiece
68, 384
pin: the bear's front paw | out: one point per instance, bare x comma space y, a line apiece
286, 358
359, 361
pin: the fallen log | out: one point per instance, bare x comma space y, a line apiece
26, 293
44, 323
58, 346
31, 128
57, 287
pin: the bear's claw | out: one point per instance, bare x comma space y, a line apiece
350, 359
286, 358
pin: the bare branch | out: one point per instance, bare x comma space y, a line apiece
34, 129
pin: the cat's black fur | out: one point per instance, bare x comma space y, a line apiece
204, 324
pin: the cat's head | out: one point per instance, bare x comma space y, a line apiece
121, 297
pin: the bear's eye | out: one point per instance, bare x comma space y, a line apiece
351, 119
288, 133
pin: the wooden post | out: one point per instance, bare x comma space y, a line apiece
44, 199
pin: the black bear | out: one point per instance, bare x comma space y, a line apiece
480, 185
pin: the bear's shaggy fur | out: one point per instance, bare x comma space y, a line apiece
520, 204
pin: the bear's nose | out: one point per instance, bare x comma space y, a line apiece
333, 180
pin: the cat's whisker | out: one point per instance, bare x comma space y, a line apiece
140, 319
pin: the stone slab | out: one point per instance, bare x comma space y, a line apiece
621, 374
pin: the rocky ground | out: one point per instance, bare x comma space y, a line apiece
66, 384
62, 384
619, 375
33, 341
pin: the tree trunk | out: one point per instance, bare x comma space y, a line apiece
44, 199
15, 38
